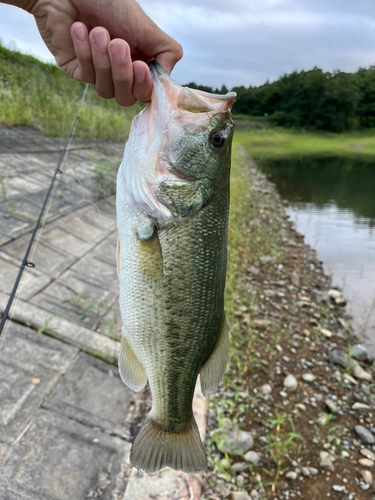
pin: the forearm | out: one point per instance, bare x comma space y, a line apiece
22, 4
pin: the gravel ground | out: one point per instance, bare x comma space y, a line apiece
295, 418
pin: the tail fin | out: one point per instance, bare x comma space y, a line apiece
155, 448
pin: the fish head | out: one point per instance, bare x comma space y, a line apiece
182, 137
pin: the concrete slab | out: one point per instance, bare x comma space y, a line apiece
50, 303
32, 280
28, 348
101, 219
47, 258
111, 323
17, 207
79, 168
6, 191
97, 271
106, 250
27, 163
4, 239
83, 229
4, 450
76, 299
22, 390
22, 207
59, 459
42, 173
66, 241
71, 194
108, 205
11, 225
93, 393
92, 342
23, 139
90, 182
25, 184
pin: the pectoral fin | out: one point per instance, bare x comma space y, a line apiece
212, 372
132, 372
150, 253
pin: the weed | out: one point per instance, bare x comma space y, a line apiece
45, 327
367, 390
325, 418
78, 300
281, 443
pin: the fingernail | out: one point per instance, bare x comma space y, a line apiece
80, 33
101, 39
118, 52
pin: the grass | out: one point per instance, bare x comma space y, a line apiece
282, 441
282, 143
39, 95
239, 116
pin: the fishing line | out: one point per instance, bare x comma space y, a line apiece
41, 218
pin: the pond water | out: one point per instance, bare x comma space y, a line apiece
332, 202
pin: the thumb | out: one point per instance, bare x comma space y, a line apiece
169, 58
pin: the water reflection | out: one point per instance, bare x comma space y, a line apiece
332, 201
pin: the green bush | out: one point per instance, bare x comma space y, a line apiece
336, 101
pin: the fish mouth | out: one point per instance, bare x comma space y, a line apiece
193, 101
155, 69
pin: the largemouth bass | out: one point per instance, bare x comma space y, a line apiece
172, 217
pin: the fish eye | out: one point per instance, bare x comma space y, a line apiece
217, 139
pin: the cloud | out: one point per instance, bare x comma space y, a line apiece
19, 28
245, 42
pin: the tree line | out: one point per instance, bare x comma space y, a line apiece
313, 99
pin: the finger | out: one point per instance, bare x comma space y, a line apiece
142, 85
99, 40
122, 72
84, 72
169, 58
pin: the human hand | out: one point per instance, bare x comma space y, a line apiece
109, 44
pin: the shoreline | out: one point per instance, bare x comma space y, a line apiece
283, 323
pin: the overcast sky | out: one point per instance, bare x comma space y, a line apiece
243, 42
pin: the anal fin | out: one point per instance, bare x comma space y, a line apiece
132, 372
149, 252
212, 372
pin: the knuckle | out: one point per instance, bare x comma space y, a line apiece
123, 80
178, 52
104, 93
103, 68
84, 79
84, 57
125, 101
